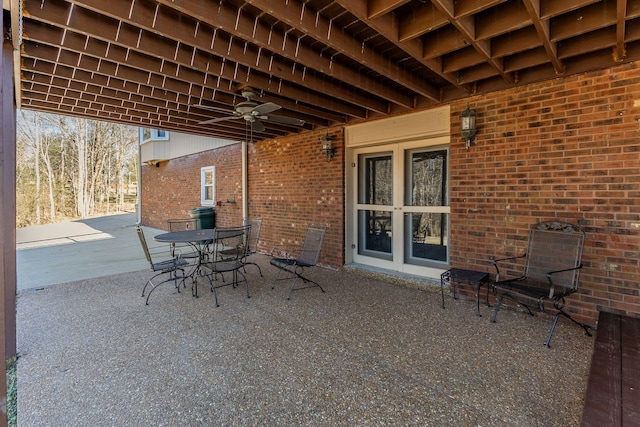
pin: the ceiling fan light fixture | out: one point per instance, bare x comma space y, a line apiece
253, 112
245, 107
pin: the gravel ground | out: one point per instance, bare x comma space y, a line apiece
366, 352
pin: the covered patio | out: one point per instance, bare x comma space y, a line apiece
370, 351
555, 87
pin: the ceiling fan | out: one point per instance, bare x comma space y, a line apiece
252, 112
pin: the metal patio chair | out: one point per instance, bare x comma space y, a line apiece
184, 250
254, 237
551, 271
168, 268
228, 256
294, 264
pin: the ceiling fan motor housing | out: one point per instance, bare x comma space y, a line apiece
246, 107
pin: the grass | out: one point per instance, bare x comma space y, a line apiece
12, 394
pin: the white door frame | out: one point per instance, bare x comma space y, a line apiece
426, 129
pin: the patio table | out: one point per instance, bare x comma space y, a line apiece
199, 239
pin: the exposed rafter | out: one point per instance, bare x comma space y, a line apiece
154, 62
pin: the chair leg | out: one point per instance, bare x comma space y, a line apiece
244, 278
273, 285
175, 279
495, 312
553, 328
561, 312
304, 280
293, 284
150, 282
154, 288
252, 263
213, 289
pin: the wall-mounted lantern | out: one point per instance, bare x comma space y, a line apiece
468, 125
327, 146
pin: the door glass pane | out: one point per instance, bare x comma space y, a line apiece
376, 180
429, 237
375, 188
426, 233
427, 178
375, 234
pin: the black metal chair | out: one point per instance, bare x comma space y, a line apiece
295, 263
169, 267
184, 251
254, 237
228, 256
551, 271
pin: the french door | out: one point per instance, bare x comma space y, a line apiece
400, 207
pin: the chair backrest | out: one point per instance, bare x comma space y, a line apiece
254, 234
231, 243
312, 245
555, 246
183, 224
143, 243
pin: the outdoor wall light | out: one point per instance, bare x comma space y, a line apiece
327, 146
468, 125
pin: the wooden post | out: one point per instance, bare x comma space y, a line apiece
7, 212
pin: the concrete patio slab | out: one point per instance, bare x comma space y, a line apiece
74, 250
367, 352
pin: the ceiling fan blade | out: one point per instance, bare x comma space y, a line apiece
216, 109
265, 108
257, 126
283, 119
218, 119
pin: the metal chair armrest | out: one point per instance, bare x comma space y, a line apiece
552, 287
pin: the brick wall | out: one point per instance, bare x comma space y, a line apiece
172, 189
567, 149
290, 185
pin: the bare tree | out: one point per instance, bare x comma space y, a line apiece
85, 163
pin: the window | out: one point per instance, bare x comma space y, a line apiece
149, 134
208, 185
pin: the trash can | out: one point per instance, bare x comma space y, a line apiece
205, 214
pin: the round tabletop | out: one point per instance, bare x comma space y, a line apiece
185, 236
199, 235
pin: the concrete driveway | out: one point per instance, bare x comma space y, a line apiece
75, 250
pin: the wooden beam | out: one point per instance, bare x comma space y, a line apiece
620, 51
378, 8
387, 26
466, 25
139, 66
424, 19
164, 47
315, 28
589, 18
542, 28
230, 44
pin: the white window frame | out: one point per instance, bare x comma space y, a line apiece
203, 185
154, 135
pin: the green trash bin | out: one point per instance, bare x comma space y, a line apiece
205, 214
